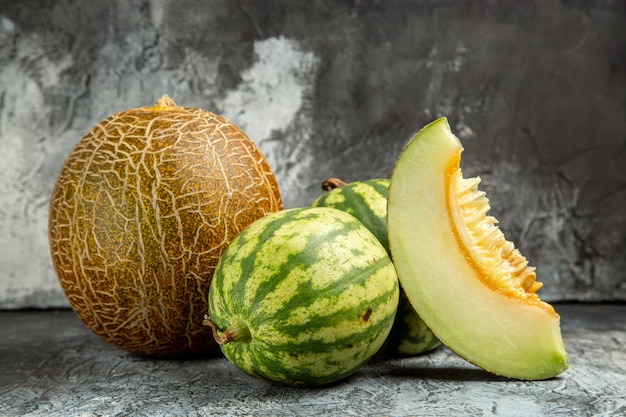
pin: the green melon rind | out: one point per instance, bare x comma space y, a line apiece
409, 335
315, 288
497, 333
367, 201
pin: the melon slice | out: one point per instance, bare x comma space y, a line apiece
470, 285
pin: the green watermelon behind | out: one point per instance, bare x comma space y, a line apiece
367, 201
303, 297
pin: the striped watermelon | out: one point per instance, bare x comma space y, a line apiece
367, 201
409, 335
303, 297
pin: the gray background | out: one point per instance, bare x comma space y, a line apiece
536, 91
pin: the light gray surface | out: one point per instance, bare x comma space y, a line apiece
51, 365
536, 90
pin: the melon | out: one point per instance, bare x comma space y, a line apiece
142, 209
367, 201
303, 297
470, 285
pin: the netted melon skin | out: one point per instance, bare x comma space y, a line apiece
141, 211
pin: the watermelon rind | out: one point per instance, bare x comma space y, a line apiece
367, 201
316, 291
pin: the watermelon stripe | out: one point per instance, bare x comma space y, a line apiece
298, 262
380, 186
341, 350
317, 319
308, 294
409, 334
318, 332
366, 200
244, 258
338, 356
356, 199
362, 210
315, 287
238, 259
303, 373
332, 360
320, 345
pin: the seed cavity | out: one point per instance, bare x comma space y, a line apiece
497, 258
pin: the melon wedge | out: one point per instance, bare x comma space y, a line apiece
470, 285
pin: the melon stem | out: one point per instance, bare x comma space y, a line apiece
164, 103
237, 332
332, 183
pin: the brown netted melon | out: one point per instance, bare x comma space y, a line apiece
141, 211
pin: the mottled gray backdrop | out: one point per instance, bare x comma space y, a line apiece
536, 90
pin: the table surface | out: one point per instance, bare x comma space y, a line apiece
52, 365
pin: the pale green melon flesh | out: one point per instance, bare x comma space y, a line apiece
511, 336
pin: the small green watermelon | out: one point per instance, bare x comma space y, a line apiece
367, 201
303, 297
